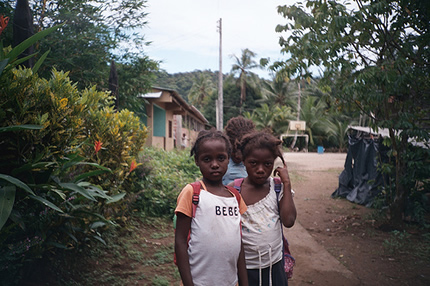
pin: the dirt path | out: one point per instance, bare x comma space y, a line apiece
335, 242
314, 264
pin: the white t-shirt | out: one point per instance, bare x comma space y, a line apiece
261, 231
215, 240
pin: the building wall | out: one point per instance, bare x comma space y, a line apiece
170, 139
166, 128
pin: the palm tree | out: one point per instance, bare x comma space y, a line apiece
338, 129
279, 91
201, 90
243, 67
275, 119
317, 123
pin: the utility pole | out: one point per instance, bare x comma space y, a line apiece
219, 103
298, 111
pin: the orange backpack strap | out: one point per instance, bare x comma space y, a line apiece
235, 193
197, 186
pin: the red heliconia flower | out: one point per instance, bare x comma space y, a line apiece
133, 165
97, 146
3, 23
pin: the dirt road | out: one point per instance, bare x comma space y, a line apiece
336, 242
314, 264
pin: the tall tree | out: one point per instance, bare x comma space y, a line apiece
313, 111
93, 33
243, 67
202, 88
274, 119
378, 54
279, 91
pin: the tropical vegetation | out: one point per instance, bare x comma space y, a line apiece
375, 55
72, 161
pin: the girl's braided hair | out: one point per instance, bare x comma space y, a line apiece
237, 127
260, 140
211, 134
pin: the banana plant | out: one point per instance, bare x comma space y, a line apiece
10, 59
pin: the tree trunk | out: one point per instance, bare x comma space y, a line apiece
398, 205
113, 83
298, 116
242, 92
23, 29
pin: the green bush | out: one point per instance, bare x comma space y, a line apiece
56, 189
161, 176
122, 137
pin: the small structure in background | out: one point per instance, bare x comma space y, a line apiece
171, 121
298, 127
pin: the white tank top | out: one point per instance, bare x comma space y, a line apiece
261, 232
214, 246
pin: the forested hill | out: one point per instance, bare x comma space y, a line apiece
182, 82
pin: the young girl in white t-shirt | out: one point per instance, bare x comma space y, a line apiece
261, 223
214, 253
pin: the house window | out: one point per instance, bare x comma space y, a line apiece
159, 122
170, 128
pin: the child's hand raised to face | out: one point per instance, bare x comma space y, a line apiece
282, 172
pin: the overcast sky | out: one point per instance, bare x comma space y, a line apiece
185, 37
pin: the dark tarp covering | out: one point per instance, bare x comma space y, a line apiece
360, 181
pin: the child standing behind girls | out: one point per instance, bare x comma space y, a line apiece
235, 129
261, 223
214, 253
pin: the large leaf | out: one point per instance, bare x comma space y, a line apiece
116, 198
75, 188
20, 127
89, 174
7, 199
46, 203
17, 183
97, 224
39, 62
29, 42
99, 239
95, 165
3, 64
97, 192
31, 166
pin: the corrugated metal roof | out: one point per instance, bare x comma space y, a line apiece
179, 99
151, 95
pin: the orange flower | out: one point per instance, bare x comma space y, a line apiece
133, 165
97, 146
3, 23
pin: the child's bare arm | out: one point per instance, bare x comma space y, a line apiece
287, 207
183, 225
241, 268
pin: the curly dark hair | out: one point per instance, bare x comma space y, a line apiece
260, 140
236, 128
211, 134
